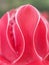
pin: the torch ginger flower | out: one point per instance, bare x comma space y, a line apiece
24, 37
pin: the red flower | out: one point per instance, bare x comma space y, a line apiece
46, 15
24, 37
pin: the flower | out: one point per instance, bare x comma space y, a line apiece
46, 15
24, 37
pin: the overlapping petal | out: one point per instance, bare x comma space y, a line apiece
12, 42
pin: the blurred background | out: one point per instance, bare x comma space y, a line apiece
5, 5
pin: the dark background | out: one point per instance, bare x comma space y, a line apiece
5, 5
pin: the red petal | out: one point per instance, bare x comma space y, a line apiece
27, 17
40, 39
10, 52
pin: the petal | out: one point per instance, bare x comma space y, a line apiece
40, 39
27, 17
7, 42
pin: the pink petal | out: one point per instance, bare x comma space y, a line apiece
27, 16
8, 49
40, 38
